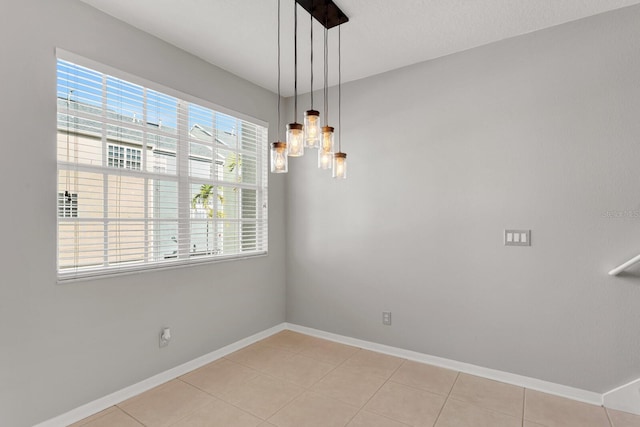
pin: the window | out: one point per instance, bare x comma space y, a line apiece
165, 179
67, 205
124, 157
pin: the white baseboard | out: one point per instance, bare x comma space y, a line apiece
624, 398
505, 377
119, 396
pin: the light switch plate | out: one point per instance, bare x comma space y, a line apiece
386, 318
517, 237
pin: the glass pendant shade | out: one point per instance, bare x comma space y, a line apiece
295, 139
311, 128
325, 153
325, 160
340, 165
279, 158
327, 139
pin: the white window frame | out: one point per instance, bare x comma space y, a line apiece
183, 258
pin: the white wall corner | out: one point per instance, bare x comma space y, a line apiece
586, 396
624, 398
119, 396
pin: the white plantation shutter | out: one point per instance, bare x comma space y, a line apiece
154, 180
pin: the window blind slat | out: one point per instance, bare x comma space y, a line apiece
123, 205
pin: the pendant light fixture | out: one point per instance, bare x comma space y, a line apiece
311, 117
325, 152
311, 135
339, 158
279, 157
295, 134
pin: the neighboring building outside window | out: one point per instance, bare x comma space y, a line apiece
164, 180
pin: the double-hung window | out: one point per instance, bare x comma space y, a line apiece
148, 177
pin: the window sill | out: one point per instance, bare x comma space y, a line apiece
90, 275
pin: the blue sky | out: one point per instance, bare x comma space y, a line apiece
127, 99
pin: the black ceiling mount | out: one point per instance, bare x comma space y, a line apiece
325, 11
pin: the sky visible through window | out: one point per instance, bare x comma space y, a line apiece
135, 158
126, 100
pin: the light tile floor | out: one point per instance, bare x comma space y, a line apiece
294, 380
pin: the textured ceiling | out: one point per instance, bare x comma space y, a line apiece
240, 36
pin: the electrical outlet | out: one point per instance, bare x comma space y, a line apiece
386, 318
165, 337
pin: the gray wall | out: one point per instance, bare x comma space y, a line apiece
64, 345
539, 132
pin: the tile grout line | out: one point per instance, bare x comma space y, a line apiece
524, 402
299, 347
340, 364
258, 372
264, 374
136, 397
290, 352
376, 392
335, 367
306, 389
608, 416
266, 420
316, 360
85, 422
137, 420
225, 401
270, 375
485, 408
446, 400
454, 383
195, 409
416, 388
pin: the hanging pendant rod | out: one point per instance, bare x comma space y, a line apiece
326, 12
